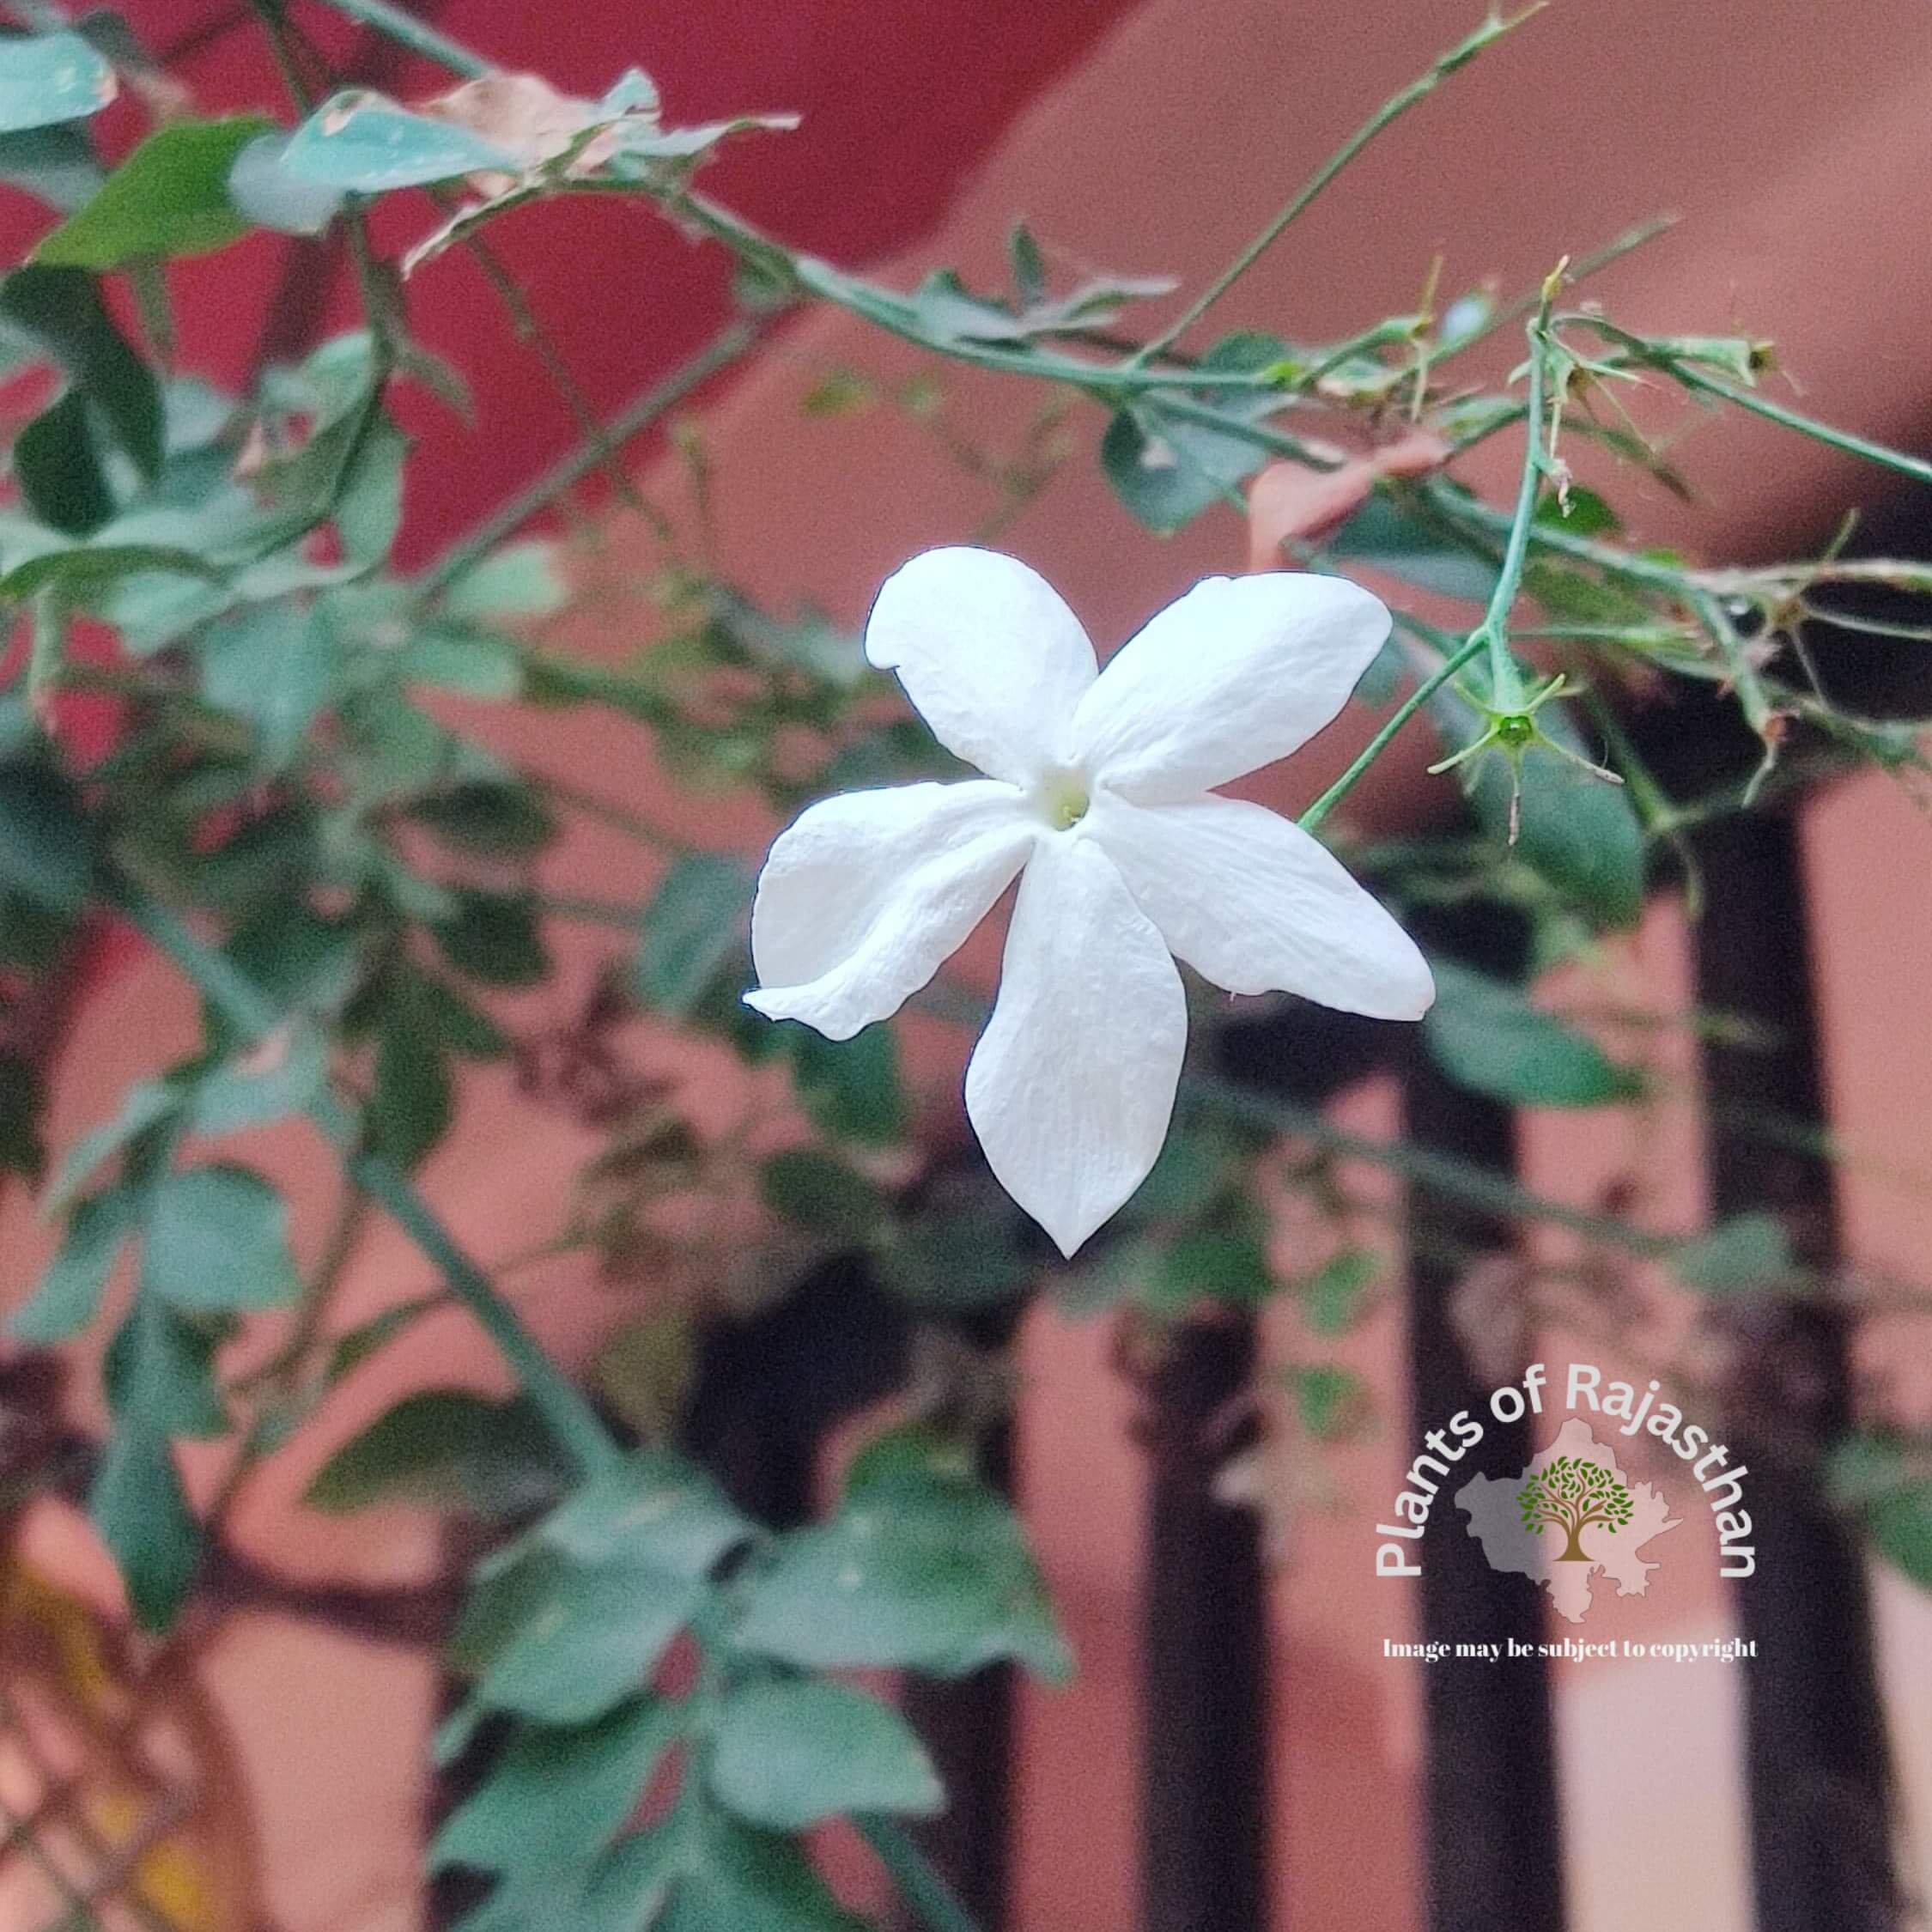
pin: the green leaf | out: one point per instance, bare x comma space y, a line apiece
32, 939
696, 920
1329, 1400
473, 662
218, 1239
91, 575
393, 749
1748, 1254
943, 306
487, 820
518, 579
1194, 1168
278, 666
170, 197
21, 1152
143, 1106
923, 1568
461, 1027
556, 1797
953, 1260
47, 78
165, 1361
1887, 1479
507, 1592
1486, 1036
657, 1508
363, 142
1580, 511
1333, 1297
159, 1381
1902, 1531
70, 1290
264, 191
335, 394
355, 1346
269, 1082
593, 1641
647, 1372
413, 1102
1166, 472
368, 508
1222, 1265
720, 1877
787, 1756
44, 854
738, 632
304, 962
850, 1088
256, 862
1575, 596
61, 313
495, 939
55, 165
1384, 535
448, 1449
58, 469
1023, 260
813, 1191
143, 1517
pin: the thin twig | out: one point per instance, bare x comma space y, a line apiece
634, 417
417, 35
1471, 647
530, 331
1398, 103
1441, 1174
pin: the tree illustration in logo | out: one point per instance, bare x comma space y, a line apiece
1571, 1493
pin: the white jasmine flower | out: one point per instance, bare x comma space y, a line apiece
1098, 788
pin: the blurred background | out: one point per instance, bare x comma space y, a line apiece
1237, 1749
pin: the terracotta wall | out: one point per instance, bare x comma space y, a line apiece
1800, 154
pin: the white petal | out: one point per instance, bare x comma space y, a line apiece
1255, 905
863, 899
989, 656
1234, 675
1072, 1082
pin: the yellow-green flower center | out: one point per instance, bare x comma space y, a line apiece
1062, 798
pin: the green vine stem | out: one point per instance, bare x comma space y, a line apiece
1105, 382
1466, 50
918, 1884
724, 348
1507, 698
1687, 375
1472, 647
417, 35
1441, 1174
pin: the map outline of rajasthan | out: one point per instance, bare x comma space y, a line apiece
1515, 1545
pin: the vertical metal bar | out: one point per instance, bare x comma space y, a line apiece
1494, 1852
770, 1392
1205, 1712
1205, 1709
967, 1727
1815, 1754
